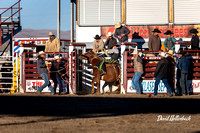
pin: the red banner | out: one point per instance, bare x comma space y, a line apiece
180, 31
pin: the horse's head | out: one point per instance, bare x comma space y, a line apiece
88, 55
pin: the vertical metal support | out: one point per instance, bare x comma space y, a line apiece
71, 47
58, 19
75, 71
72, 21
123, 47
0, 32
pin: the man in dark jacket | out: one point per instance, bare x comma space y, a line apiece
42, 70
110, 41
121, 32
183, 65
56, 65
195, 39
154, 41
161, 74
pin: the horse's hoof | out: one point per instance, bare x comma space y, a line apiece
97, 93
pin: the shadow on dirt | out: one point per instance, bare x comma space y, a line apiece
86, 107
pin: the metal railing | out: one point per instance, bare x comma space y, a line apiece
7, 72
13, 12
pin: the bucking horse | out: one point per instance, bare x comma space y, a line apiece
112, 74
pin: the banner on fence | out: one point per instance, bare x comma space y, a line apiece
148, 86
33, 85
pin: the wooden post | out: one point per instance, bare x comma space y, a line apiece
171, 11
123, 11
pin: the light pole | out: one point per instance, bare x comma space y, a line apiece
58, 19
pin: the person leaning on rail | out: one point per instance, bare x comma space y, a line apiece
42, 70
138, 71
53, 44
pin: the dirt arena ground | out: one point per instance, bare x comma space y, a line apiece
29, 113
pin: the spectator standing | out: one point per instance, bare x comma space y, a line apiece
195, 39
110, 41
138, 71
121, 32
154, 41
98, 44
183, 65
42, 70
169, 41
53, 44
161, 73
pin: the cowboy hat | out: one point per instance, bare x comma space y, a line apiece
109, 34
41, 52
51, 34
135, 52
170, 52
168, 32
56, 57
97, 37
194, 31
118, 25
163, 54
156, 30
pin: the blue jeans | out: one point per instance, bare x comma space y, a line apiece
184, 84
59, 80
136, 82
169, 90
46, 83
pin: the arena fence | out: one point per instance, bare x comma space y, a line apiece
150, 62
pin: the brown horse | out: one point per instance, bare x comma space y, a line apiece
112, 71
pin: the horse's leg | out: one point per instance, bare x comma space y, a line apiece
98, 85
93, 85
110, 88
118, 87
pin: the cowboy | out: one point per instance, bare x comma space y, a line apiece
110, 40
114, 52
154, 41
57, 70
53, 44
98, 44
42, 70
195, 39
101, 65
121, 32
161, 74
169, 41
183, 65
138, 71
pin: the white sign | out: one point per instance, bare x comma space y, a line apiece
33, 85
194, 86
148, 86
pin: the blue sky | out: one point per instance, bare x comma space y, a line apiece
41, 14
